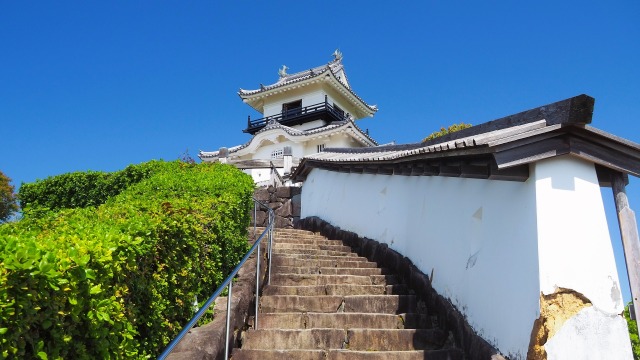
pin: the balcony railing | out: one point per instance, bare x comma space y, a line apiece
297, 116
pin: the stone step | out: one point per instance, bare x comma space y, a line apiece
311, 257
315, 279
396, 339
312, 252
312, 320
292, 260
450, 354
287, 339
307, 241
353, 339
382, 304
332, 247
334, 289
329, 270
253, 354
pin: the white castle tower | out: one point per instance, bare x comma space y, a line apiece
303, 113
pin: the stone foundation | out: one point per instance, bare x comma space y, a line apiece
285, 202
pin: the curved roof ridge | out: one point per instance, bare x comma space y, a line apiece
292, 132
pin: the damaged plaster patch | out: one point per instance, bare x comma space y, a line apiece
591, 334
555, 310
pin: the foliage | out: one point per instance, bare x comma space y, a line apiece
8, 203
633, 333
81, 189
118, 280
444, 131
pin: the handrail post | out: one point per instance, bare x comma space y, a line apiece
226, 344
255, 319
270, 247
228, 281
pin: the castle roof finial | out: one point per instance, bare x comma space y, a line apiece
337, 55
283, 72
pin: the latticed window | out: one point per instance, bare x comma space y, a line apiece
320, 147
276, 154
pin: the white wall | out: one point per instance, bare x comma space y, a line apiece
575, 252
573, 237
490, 244
479, 241
310, 95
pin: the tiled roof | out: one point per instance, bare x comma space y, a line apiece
336, 126
332, 67
499, 149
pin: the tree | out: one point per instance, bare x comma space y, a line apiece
444, 131
8, 201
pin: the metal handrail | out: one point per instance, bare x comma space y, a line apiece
268, 231
276, 180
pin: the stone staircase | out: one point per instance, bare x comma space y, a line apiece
326, 302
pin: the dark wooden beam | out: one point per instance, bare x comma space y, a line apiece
515, 173
417, 170
451, 169
385, 169
575, 110
610, 157
532, 152
630, 239
431, 169
475, 171
370, 170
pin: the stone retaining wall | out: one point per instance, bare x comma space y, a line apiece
449, 318
285, 202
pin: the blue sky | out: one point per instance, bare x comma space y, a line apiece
100, 85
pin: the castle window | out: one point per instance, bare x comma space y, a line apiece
320, 147
277, 154
292, 108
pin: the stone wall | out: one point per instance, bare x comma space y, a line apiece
285, 202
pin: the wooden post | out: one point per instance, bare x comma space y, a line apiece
629, 234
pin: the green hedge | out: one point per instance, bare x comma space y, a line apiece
118, 280
81, 189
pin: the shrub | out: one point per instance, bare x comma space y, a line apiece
118, 280
81, 189
633, 333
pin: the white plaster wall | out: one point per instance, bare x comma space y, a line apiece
308, 95
575, 252
494, 246
258, 174
478, 237
310, 125
591, 335
573, 237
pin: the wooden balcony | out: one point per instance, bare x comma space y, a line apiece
297, 116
